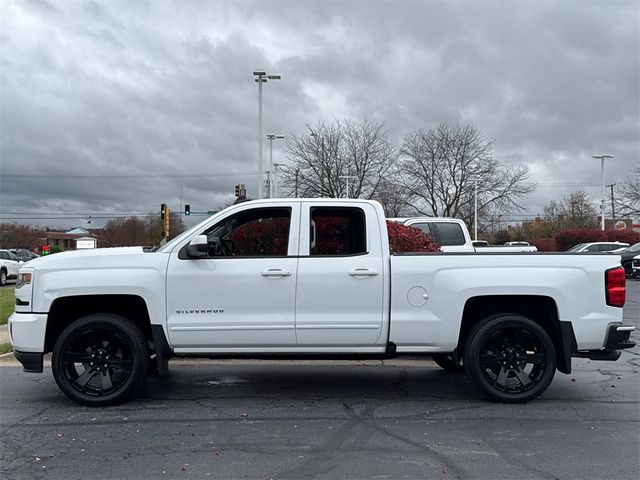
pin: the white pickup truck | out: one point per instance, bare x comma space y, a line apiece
453, 236
314, 278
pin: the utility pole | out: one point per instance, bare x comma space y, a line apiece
613, 205
347, 177
602, 157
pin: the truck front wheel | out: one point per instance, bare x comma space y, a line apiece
510, 358
100, 359
447, 361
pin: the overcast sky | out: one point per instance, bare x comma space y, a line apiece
115, 107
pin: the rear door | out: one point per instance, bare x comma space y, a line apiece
340, 292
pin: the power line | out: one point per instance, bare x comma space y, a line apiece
140, 175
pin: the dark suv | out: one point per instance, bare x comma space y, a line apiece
24, 254
627, 256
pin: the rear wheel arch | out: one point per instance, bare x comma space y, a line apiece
539, 308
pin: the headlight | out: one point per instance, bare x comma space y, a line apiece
23, 279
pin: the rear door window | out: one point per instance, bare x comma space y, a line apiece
337, 231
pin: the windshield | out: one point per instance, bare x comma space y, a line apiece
633, 248
167, 247
576, 248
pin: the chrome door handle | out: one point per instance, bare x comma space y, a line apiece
275, 272
363, 272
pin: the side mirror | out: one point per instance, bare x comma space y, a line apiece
198, 247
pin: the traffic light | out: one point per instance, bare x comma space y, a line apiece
240, 190
45, 250
163, 210
167, 218
187, 209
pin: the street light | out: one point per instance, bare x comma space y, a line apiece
602, 157
271, 137
261, 77
276, 166
347, 177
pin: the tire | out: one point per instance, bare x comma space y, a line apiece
100, 359
3, 278
510, 358
447, 362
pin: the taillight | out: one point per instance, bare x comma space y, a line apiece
615, 286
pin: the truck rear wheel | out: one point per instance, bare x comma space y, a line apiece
100, 359
510, 358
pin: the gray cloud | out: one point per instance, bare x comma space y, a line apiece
119, 106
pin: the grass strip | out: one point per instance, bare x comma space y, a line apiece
7, 303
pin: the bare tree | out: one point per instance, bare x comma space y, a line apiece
18, 235
574, 210
333, 156
629, 200
132, 231
441, 167
395, 199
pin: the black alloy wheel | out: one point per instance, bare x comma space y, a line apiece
100, 359
510, 358
447, 362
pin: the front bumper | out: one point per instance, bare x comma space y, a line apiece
27, 333
31, 362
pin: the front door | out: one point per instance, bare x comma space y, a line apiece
241, 294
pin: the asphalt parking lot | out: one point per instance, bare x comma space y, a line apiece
395, 419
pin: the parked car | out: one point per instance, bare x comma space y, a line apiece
24, 254
480, 243
627, 257
453, 236
9, 265
612, 247
518, 244
635, 267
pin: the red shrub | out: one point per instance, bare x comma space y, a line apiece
569, 238
626, 236
403, 238
544, 244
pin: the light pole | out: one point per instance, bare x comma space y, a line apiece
261, 77
602, 157
475, 209
276, 166
271, 137
347, 177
